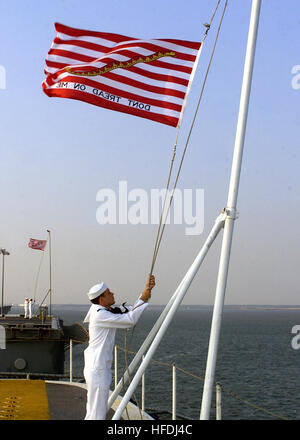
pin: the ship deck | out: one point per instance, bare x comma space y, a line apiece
25, 399
19, 321
67, 402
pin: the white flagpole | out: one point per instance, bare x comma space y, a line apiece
231, 207
181, 291
50, 272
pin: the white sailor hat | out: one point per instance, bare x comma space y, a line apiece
97, 290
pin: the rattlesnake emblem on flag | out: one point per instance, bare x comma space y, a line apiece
93, 71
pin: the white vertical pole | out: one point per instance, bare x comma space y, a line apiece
50, 272
2, 305
116, 365
231, 208
218, 402
174, 401
143, 389
71, 360
3, 252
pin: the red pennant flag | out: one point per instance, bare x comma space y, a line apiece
37, 244
146, 78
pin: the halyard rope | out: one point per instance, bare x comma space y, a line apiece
161, 222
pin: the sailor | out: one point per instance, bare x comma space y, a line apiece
26, 307
30, 307
103, 321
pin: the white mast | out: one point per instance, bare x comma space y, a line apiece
50, 272
231, 208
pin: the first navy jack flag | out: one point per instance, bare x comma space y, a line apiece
146, 78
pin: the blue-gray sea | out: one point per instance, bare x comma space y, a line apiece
257, 366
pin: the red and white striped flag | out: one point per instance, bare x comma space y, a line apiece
146, 78
37, 244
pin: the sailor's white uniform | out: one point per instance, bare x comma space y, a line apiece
99, 354
30, 308
26, 308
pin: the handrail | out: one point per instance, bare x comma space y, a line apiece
219, 387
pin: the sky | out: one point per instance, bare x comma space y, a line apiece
57, 154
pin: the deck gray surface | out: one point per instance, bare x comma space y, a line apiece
67, 402
12, 320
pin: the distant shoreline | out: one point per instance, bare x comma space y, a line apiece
191, 306
268, 308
